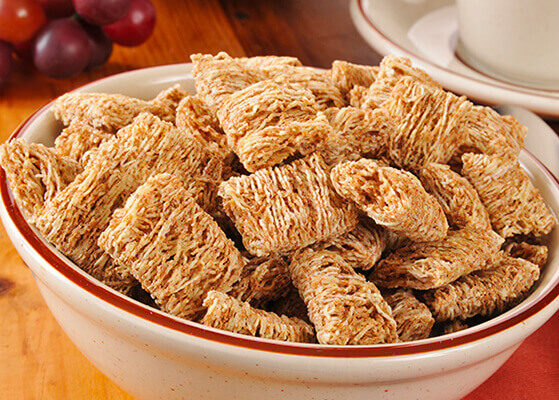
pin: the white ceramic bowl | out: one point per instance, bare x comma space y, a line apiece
153, 355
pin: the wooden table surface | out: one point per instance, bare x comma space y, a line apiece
37, 360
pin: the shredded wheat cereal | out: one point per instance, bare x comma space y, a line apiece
429, 265
429, 124
78, 138
356, 132
226, 312
75, 217
536, 254
286, 208
394, 198
458, 198
36, 173
267, 123
413, 318
173, 248
110, 112
485, 292
513, 203
344, 307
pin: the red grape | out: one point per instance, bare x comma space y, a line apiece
135, 27
100, 45
102, 12
57, 8
5, 61
20, 20
61, 49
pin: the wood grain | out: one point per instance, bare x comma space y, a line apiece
37, 360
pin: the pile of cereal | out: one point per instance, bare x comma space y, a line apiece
355, 205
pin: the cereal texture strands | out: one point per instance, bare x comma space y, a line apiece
344, 307
394, 198
286, 208
230, 314
171, 246
486, 292
36, 173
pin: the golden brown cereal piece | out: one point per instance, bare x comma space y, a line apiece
346, 75
413, 318
78, 138
513, 203
110, 112
36, 173
361, 247
356, 132
318, 82
493, 134
391, 71
226, 312
291, 305
263, 279
429, 124
343, 306
171, 246
267, 123
457, 196
536, 254
286, 208
485, 292
433, 264
76, 216
220, 76
394, 198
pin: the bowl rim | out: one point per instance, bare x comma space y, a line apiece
59, 263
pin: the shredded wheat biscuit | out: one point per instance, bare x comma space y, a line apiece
260, 62
343, 306
429, 124
394, 198
110, 112
490, 133
485, 292
346, 76
356, 132
413, 318
267, 123
361, 247
536, 254
391, 71
513, 203
430, 265
220, 76
286, 208
456, 195
78, 138
262, 280
173, 248
228, 313
326, 94
36, 173
75, 217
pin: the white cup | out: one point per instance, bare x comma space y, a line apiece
512, 40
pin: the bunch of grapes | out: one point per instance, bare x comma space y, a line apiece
64, 37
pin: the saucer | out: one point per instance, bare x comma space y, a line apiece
426, 31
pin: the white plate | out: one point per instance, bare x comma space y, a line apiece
426, 31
